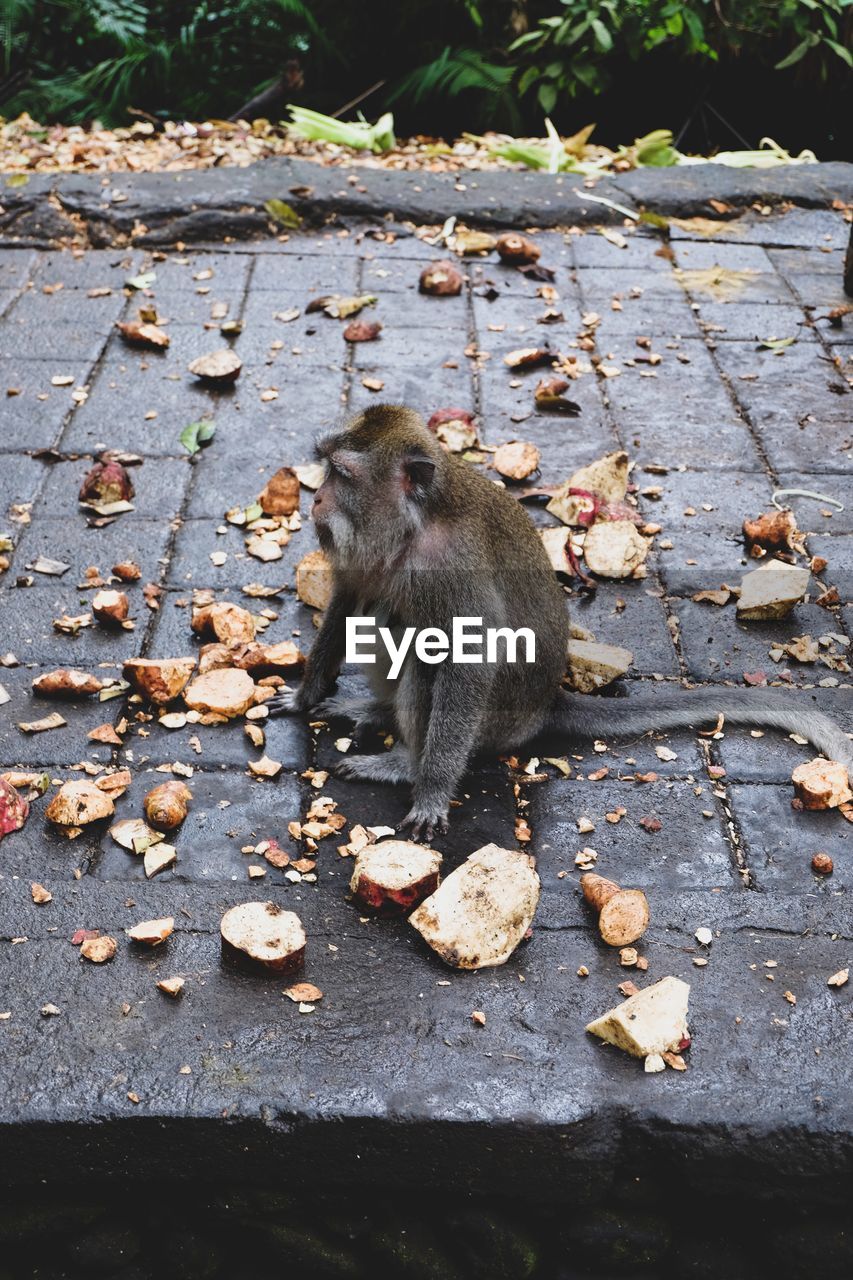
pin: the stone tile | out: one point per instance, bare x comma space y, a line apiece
641, 252
55, 748
28, 630
754, 322
97, 268
78, 545
187, 305
190, 565
34, 416
688, 852
773, 757
222, 479
423, 390
159, 488
779, 843
209, 840
294, 279
16, 267
699, 255
712, 540
20, 480
632, 615
566, 443
430, 349
718, 647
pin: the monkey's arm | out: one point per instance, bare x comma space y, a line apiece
459, 696
323, 662
584, 717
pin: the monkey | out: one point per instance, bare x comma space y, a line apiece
416, 537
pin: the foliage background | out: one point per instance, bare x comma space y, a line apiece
726, 71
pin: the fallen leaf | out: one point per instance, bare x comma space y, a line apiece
196, 434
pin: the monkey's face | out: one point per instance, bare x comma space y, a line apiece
380, 475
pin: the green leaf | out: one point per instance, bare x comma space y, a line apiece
653, 219
284, 214
143, 281
775, 344
254, 511
602, 35
547, 96
527, 79
841, 50
799, 52
17, 180
196, 434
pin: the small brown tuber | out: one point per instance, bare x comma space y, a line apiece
166, 806
623, 914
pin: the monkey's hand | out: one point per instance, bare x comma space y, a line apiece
286, 703
425, 821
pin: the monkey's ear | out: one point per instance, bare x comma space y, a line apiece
418, 471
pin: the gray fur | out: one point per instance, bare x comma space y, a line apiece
417, 537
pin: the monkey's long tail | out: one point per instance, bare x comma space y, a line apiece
586, 717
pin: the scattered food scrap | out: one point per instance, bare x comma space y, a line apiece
395, 875
482, 910
623, 914
771, 591
265, 933
652, 1022
821, 784
167, 805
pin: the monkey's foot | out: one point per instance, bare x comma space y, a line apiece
363, 712
285, 703
392, 768
424, 823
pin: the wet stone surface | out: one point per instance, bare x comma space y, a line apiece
390, 1060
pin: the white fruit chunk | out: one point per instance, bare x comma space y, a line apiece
771, 591
395, 874
614, 549
593, 665
266, 934
653, 1021
481, 912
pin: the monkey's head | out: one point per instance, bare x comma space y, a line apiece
382, 474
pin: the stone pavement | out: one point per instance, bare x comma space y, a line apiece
388, 1080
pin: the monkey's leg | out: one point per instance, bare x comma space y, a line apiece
322, 664
365, 713
459, 696
392, 767
586, 717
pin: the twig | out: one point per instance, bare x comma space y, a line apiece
355, 101
611, 204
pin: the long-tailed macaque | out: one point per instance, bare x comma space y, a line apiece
416, 538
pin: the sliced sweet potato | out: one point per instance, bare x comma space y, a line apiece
480, 913
265, 933
160, 680
228, 623
152, 932
111, 607
76, 804
314, 580
227, 692
67, 682
395, 875
280, 494
821, 784
14, 809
